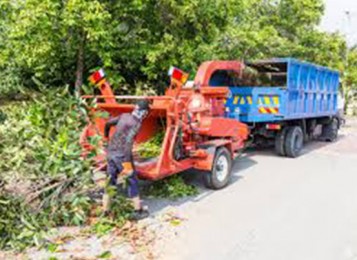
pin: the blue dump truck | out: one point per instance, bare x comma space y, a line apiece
285, 102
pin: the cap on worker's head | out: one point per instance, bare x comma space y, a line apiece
143, 104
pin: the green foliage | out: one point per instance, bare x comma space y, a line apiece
152, 148
349, 85
43, 136
3, 116
71, 210
43, 38
173, 187
137, 41
46, 182
103, 227
10, 83
120, 211
52, 247
18, 227
105, 255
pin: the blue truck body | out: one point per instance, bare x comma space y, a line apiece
304, 91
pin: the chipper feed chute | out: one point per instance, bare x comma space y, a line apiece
192, 120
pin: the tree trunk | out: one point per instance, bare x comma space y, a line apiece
346, 96
80, 65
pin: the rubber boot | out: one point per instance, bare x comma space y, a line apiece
139, 214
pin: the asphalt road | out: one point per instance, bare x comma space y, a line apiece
276, 208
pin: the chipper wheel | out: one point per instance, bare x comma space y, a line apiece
294, 141
221, 172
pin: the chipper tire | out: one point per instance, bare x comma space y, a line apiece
221, 171
330, 131
294, 141
280, 142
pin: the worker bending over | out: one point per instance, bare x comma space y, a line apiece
120, 165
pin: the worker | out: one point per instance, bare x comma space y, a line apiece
120, 167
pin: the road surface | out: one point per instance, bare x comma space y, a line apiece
275, 208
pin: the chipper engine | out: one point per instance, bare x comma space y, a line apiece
197, 135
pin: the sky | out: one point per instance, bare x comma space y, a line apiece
335, 18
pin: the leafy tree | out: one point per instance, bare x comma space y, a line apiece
350, 80
58, 42
49, 39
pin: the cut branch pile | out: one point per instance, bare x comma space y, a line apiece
45, 182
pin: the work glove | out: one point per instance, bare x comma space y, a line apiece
123, 176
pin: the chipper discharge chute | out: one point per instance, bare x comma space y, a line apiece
196, 133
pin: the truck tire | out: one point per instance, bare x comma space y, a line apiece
330, 131
280, 141
221, 171
294, 141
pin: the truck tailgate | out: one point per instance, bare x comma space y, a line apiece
256, 104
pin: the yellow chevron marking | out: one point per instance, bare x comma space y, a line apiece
266, 100
224, 101
235, 101
250, 101
276, 100
242, 101
262, 110
273, 110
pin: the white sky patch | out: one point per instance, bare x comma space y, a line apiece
335, 18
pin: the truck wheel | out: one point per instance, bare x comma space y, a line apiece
294, 141
279, 142
221, 172
330, 131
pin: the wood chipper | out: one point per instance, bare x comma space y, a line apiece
196, 133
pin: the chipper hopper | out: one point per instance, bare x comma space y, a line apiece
196, 133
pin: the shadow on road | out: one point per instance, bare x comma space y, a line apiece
196, 178
310, 146
240, 169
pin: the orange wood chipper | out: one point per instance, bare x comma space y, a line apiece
197, 134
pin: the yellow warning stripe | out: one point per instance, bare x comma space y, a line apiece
276, 100
266, 100
273, 110
262, 110
268, 110
242, 100
235, 100
250, 101
269, 100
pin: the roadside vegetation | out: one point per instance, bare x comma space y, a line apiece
45, 182
48, 49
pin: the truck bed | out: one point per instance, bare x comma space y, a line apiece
305, 91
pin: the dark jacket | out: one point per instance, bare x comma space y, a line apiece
121, 142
